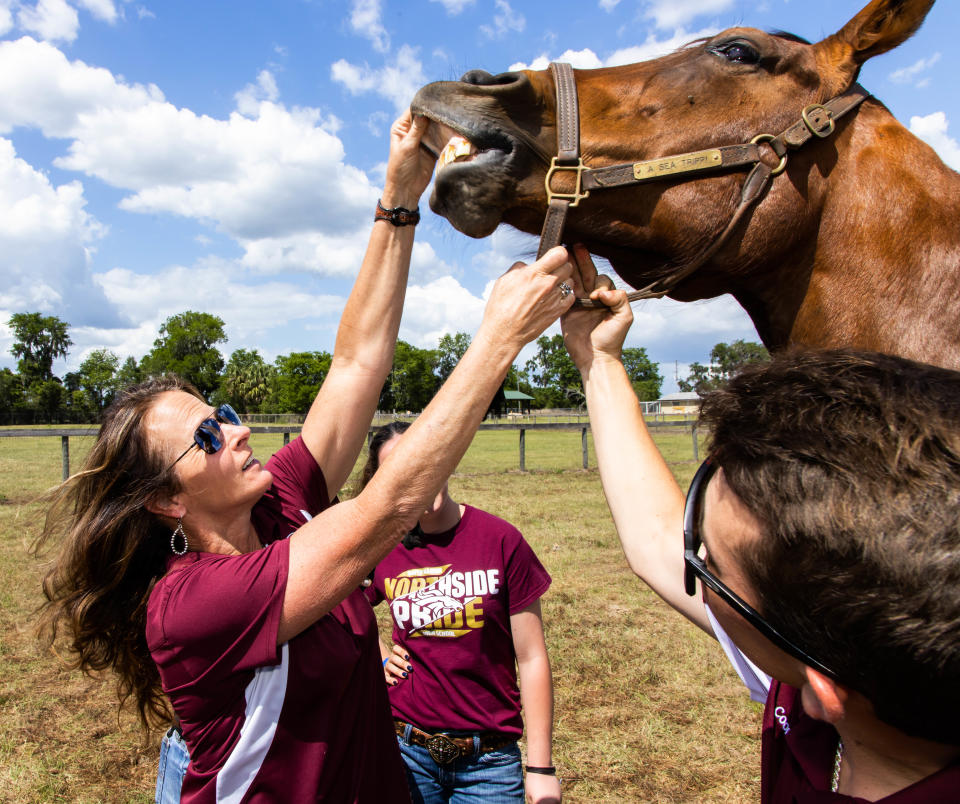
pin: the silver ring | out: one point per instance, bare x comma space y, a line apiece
565, 290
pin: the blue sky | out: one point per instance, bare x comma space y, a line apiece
226, 156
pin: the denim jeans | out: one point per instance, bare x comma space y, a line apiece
174, 759
495, 777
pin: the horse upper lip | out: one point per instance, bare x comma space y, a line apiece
437, 136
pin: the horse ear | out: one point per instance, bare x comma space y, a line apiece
879, 27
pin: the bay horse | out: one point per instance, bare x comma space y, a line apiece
855, 243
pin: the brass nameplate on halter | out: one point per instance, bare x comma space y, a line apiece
681, 163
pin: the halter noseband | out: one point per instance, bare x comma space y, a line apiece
816, 120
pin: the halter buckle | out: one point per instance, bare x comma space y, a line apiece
807, 115
577, 193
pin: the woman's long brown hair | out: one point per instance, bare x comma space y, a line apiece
111, 552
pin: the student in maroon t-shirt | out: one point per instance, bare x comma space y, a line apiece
824, 531
464, 593
230, 589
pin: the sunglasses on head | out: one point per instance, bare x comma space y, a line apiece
695, 567
208, 436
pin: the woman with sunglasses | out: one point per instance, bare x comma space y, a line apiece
231, 589
823, 531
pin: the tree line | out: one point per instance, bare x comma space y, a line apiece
186, 345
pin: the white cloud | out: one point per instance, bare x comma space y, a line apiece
365, 20
272, 173
6, 19
331, 254
101, 9
248, 309
397, 82
46, 238
586, 59
932, 129
53, 20
438, 307
907, 75
677, 13
504, 21
377, 124
427, 266
248, 99
609, 5
454, 7
653, 48
505, 247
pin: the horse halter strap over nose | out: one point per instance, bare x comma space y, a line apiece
817, 120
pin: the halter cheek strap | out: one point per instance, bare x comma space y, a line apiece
816, 121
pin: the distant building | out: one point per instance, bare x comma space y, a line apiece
517, 400
685, 402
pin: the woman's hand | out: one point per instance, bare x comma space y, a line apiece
410, 167
398, 666
542, 789
528, 298
588, 332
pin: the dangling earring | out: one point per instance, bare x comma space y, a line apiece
173, 539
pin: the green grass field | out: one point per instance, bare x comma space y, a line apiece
647, 708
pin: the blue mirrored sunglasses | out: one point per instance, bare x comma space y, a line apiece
208, 436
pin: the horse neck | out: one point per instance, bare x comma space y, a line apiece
883, 271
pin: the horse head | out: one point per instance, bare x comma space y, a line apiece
720, 91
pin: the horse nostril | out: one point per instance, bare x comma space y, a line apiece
477, 77
482, 78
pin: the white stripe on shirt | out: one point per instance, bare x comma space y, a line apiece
264, 696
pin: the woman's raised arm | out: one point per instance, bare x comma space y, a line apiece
644, 498
333, 552
340, 416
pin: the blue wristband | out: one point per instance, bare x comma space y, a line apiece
385, 661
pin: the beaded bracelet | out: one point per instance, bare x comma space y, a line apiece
398, 216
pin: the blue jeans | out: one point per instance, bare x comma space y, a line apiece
174, 758
495, 777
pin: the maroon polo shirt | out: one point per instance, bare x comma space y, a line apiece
798, 756
305, 721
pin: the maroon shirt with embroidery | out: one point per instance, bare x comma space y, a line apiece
798, 756
451, 602
307, 721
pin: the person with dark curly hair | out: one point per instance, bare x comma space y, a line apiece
824, 529
231, 589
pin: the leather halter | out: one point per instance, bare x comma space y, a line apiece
816, 120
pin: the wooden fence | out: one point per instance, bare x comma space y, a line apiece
65, 433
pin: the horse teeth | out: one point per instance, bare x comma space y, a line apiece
453, 150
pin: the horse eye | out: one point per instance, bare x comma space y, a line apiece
738, 52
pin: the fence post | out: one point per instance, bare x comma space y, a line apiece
286, 439
523, 450
583, 446
696, 446
65, 452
